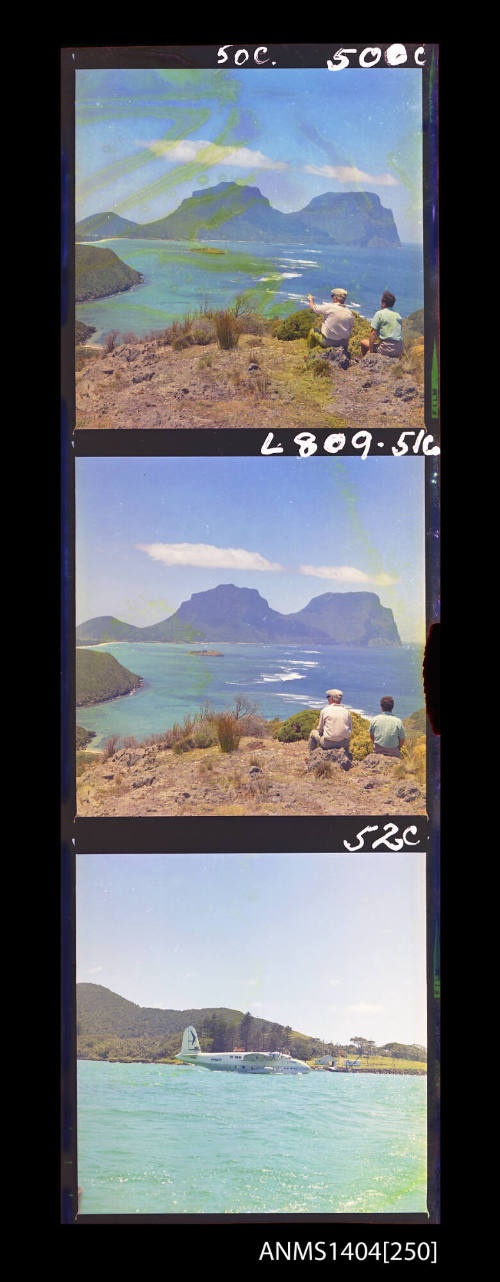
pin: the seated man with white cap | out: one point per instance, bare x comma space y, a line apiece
335, 725
337, 324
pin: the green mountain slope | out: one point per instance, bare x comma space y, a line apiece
232, 211
100, 677
99, 272
229, 613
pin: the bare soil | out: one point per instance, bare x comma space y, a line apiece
263, 777
262, 383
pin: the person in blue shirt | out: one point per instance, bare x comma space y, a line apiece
386, 326
387, 732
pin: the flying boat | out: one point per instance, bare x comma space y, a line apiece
237, 1061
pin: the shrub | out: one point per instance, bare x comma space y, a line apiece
360, 744
252, 726
251, 323
110, 746
202, 335
228, 732
178, 344
413, 759
297, 325
183, 745
109, 342
298, 726
361, 329
227, 330
321, 368
204, 738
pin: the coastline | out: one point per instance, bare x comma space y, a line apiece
173, 1063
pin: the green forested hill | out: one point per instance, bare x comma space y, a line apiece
99, 676
110, 1027
99, 272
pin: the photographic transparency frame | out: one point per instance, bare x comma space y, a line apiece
334, 834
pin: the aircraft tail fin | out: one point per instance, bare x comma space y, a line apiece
190, 1043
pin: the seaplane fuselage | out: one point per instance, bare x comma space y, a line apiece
237, 1061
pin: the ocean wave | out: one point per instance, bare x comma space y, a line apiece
299, 262
307, 699
281, 676
289, 275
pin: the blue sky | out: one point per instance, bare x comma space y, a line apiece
150, 532
333, 945
145, 139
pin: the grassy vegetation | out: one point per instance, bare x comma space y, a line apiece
83, 737
110, 1027
206, 249
99, 676
83, 332
86, 759
300, 725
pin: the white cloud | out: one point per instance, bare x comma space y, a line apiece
365, 1008
95, 970
351, 174
185, 150
207, 557
346, 574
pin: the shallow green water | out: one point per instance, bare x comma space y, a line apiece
155, 1138
281, 680
273, 277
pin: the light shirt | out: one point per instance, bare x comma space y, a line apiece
335, 722
338, 320
387, 324
387, 730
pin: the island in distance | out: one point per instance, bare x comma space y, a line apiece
229, 613
229, 211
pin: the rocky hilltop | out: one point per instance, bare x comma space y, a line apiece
183, 377
263, 776
230, 211
229, 613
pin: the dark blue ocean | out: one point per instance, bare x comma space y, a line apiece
165, 1139
275, 277
281, 680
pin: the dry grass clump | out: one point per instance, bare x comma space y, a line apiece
413, 759
228, 731
321, 368
109, 747
109, 342
227, 329
323, 769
